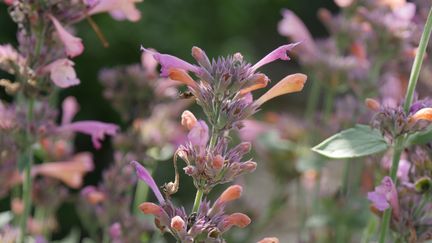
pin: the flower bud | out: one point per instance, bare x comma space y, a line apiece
218, 162
372, 104
248, 167
190, 170
201, 57
188, 119
291, 83
177, 223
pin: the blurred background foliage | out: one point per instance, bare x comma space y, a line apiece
220, 27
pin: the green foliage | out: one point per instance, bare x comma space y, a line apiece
355, 142
419, 138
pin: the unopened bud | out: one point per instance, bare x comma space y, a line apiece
177, 223
372, 104
218, 162
201, 57
238, 219
248, 166
190, 170
188, 119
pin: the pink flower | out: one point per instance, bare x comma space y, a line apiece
70, 107
97, 130
385, 196
69, 172
145, 176
293, 27
167, 62
9, 58
278, 53
62, 73
199, 134
72, 44
119, 9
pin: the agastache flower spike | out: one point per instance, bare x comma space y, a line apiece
73, 45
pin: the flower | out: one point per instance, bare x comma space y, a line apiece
62, 73
73, 45
385, 196
188, 119
70, 107
119, 9
69, 172
145, 176
97, 130
199, 134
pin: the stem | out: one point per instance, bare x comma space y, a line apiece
27, 183
415, 70
398, 148
399, 144
312, 101
197, 202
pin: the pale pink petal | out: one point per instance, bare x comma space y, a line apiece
343, 3
293, 27
199, 134
167, 62
72, 44
70, 107
97, 130
148, 61
279, 53
69, 172
119, 9
62, 73
406, 11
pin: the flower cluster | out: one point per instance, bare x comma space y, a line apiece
223, 90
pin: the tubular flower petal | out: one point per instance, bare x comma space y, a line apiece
385, 196
188, 119
238, 219
293, 27
148, 61
291, 83
97, 130
183, 77
168, 62
151, 208
269, 240
178, 223
119, 9
372, 104
279, 53
62, 73
230, 194
199, 134
72, 44
145, 176
259, 83
422, 114
69, 172
70, 107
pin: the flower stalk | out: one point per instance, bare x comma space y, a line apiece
399, 143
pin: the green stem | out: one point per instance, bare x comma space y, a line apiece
197, 202
397, 151
27, 183
312, 101
415, 70
399, 144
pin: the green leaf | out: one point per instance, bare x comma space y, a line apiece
355, 142
419, 138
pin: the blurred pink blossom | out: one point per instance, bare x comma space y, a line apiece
119, 9
62, 73
73, 45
